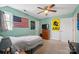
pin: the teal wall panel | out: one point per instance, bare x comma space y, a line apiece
19, 31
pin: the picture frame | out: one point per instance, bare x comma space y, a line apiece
32, 23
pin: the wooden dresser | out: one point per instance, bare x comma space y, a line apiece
45, 34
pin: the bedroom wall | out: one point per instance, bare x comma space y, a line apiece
65, 28
20, 31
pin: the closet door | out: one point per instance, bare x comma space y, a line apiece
66, 30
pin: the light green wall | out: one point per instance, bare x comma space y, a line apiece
46, 21
19, 31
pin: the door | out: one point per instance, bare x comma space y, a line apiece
66, 30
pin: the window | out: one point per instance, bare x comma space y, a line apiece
7, 22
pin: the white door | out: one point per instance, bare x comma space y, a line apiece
66, 29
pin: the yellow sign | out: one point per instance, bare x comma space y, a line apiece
56, 24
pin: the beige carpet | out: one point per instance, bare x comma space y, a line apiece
53, 47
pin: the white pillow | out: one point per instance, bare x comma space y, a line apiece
0, 38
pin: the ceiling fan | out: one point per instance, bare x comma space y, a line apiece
47, 9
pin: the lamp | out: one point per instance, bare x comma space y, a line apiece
5, 43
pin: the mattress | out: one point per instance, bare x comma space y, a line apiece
26, 42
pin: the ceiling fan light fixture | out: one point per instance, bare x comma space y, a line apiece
46, 11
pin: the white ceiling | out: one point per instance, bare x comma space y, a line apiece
31, 9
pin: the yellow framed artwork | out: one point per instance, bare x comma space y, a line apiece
56, 24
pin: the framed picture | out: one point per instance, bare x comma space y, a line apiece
78, 21
56, 24
20, 22
32, 23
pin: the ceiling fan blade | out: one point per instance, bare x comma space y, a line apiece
52, 5
40, 12
40, 8
53, 10
45, 7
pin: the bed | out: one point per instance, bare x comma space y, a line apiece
26, 42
